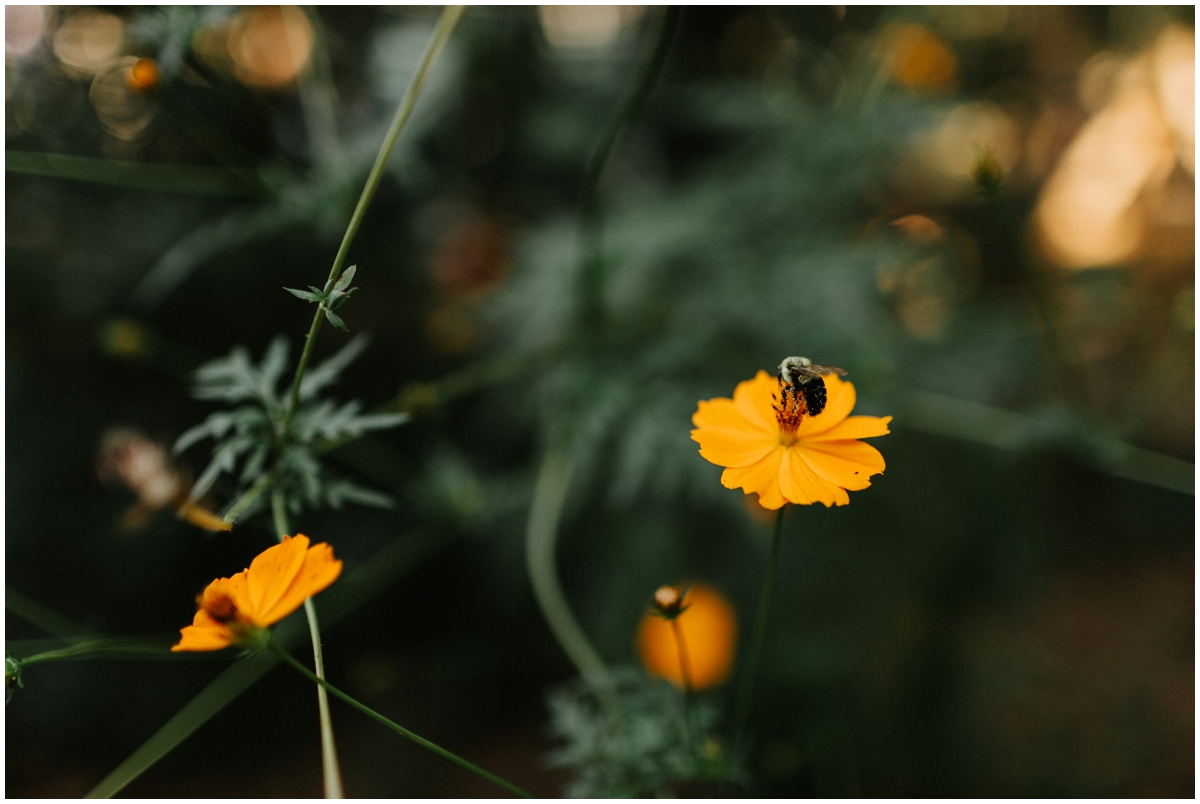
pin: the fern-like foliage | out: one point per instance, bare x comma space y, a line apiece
635, 744
247, 437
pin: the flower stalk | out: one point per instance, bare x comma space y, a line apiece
685, 672
93, 646
416, 738
549, 498
445, 26
750, 671
330, 771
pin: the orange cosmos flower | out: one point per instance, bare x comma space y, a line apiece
771, 448
238, 610
709, 629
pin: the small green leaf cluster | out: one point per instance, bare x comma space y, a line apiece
250, 444
333, 299
635, 743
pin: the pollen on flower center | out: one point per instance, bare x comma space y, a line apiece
789, 412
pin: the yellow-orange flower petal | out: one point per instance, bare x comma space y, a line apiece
848, 464
817, 460
709, 628
236, 610
755, 400
318, 571
760, 477
840, 399
272, 572
854, 427
204, 633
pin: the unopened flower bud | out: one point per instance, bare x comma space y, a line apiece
668, 601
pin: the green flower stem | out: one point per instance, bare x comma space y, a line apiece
445, 26
366, 710
114, 645
331, 773
545, 513
750, 671
685, 672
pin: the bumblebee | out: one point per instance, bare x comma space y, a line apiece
800, 379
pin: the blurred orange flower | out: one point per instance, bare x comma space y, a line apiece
709, 629
142, 75
767, 449
238, 610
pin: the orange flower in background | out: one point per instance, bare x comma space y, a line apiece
238, 610
709, 629
767, 449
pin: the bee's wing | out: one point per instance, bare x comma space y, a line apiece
827, 370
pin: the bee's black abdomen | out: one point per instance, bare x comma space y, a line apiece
814, 395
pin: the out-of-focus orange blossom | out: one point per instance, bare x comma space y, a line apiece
1091, 211
709, 628
472, 257
142, 75
919, 60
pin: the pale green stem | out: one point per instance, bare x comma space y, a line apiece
329, 762
396, 727
750, 671
445, 25
549, 498
685, 672
115, 645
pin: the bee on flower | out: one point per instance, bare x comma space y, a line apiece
788, 440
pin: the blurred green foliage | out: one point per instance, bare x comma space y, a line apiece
1008, 611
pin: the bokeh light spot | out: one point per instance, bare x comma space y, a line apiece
1087, 215
270, 45
581, 28
122, 111
919, 59
23, 26
1175, 82
88, 39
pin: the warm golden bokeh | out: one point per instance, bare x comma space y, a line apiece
919, 60
1090, 211
123, 110
142, 75
88, 39
270, 45
709, 628
586, 29
945, 160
